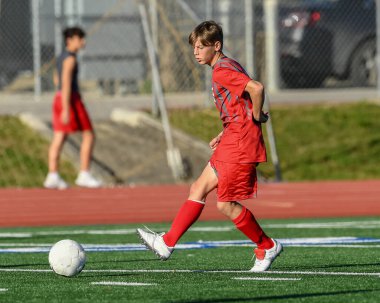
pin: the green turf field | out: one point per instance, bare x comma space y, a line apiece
308, 271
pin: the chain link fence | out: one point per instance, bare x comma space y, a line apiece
319, 43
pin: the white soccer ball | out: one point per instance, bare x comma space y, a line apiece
67, 258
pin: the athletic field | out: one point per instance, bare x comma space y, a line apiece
330, 260
325, 258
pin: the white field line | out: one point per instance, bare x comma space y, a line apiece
88, 245
174, 271
321, 225
314, 225
328, 242
122, 283
266, 279
3, 289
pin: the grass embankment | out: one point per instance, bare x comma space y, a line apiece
23, 156
314, 142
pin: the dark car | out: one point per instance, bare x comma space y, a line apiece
323, 38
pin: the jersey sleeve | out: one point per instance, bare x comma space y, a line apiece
234, 81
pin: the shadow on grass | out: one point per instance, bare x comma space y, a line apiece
283, 297
101, 275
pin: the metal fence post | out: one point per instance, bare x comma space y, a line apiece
249, 43
272, 142
57, 27
36, 49
378, 45
209, 96
272, 68
271, 44
154, 30
173, 154
249, 34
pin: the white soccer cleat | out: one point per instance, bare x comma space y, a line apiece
54, 181
155, 243
265, 257
86, 179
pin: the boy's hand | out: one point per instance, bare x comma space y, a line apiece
65, 117
214, 143
263, 117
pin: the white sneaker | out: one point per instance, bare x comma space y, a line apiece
155, 243
54, 181
85, 179
265, 257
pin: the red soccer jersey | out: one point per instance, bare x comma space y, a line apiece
242, 140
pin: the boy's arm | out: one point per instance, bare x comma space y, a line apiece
67, 75
55, 78
256, 92
214, 142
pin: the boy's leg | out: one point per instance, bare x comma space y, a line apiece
192, 208
267, 249
246, 223
55, 150
53, 179
86, 148
190, 211
85, 178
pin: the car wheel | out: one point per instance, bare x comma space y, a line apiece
363, 67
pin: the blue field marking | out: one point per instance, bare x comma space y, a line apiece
290, 242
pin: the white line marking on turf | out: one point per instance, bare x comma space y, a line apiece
15, 235
122, 283
266, 279
293, 242
317, 273
314, 225
320, 225
3, 289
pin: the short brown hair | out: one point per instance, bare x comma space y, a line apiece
209, 32
70, 32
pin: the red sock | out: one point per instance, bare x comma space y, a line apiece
186, 216
248, 225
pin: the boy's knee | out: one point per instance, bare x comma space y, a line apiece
194, 188
223, 207
88, 135
227, 208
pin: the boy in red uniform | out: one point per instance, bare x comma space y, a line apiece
237, 151
69, 113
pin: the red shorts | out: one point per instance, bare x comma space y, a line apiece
79, 119
236, 181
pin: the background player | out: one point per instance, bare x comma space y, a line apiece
69, 113
237, 151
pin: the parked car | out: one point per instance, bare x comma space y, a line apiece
322, 38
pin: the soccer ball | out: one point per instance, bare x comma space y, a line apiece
67, 258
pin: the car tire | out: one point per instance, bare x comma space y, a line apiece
363, 70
